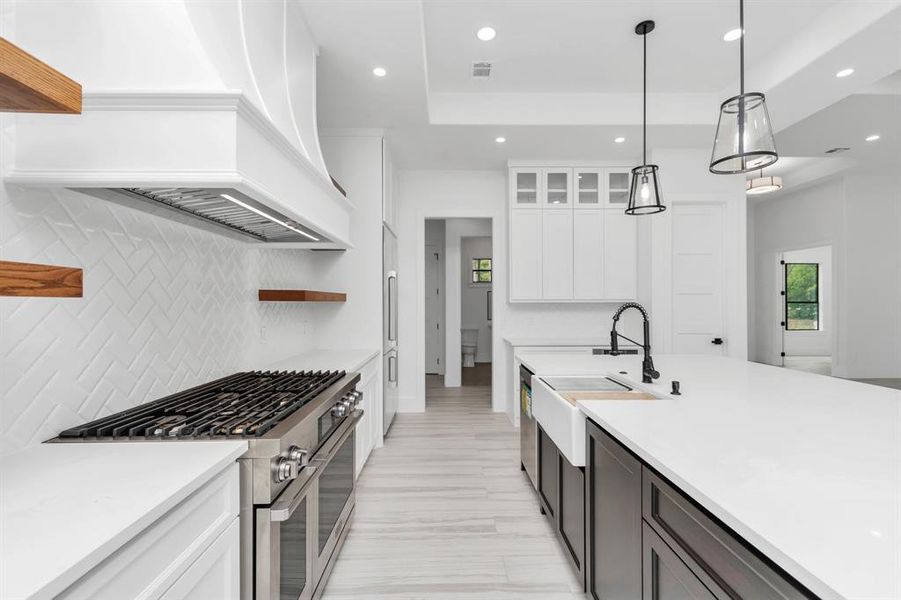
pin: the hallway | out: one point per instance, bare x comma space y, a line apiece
443, 511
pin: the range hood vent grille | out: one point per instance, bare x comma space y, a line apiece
228, 208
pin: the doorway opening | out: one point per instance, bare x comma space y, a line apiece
805, 303
459, 277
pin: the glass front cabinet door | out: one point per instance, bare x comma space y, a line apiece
617, 195
525, 184
589, 187
558, 188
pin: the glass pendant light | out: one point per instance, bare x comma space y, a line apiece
644, 194
744, 137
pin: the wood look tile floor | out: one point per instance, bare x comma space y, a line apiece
443, 512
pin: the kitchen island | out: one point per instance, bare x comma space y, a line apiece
806, 469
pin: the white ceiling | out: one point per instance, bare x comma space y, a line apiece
568, 46
567, 76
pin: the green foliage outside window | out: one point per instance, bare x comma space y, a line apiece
802, 306
481, 270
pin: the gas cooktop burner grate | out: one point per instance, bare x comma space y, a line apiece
244, 405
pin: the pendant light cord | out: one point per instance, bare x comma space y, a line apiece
644, 103
741, 25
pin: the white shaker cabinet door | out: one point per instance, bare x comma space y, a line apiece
525, 254
588, 255
557, 254
215, 574
620, 255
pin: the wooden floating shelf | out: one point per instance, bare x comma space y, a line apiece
301, 296
29, 85
39, 281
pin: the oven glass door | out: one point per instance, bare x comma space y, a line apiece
336, 484
285, 546
334, 491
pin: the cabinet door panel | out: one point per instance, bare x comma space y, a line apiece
215, 574
620, 255
525, 255
588, 188
617, 188
557, 254
588, 255
613, 486
666, 577
548, 477
557, 186
572, 512
525, 185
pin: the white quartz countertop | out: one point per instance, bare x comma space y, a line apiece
558, 341
335, 360
66, 507
807, 468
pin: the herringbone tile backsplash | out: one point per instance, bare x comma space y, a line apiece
166, 306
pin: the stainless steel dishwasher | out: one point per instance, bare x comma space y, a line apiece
528, 432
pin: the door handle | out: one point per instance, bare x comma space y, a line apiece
717, 341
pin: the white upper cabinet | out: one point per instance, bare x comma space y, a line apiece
616, 190
558, 188
557, 255
525, 187
526, 258
570, 240
589, 188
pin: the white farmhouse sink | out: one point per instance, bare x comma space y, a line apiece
560, 417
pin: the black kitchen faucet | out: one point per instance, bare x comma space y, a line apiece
648, 373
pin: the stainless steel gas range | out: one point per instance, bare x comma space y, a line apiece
297, 476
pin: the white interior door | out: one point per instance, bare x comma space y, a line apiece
434, 311
699, 279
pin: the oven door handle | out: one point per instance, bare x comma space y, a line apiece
328, 451
288, 502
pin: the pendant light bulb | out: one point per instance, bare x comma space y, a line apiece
744, 135
644, 192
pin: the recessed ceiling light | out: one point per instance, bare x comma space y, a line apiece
619, 140
732, 35
873, 138
844, 73
379, 71
486, 34
500, 139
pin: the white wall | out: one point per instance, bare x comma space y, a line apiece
860, 217
810, 343
474, 301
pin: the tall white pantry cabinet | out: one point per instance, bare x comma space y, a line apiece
570, 240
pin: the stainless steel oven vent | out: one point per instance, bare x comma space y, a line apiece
229, 208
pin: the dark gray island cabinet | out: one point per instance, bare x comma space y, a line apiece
646, 539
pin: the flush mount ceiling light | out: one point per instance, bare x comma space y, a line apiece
744, 137
872, 138
486, 34
732, 35
619, 140
763, 185
500, 139
844, 73
379, 71
644, 194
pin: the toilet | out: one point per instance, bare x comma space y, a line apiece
469, 340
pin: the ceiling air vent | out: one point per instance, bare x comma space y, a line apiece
837, 150
481, 69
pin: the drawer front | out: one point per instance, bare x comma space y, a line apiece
216, 574
665, 576
715, 555
155, 558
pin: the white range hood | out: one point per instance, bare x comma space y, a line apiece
200, 109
